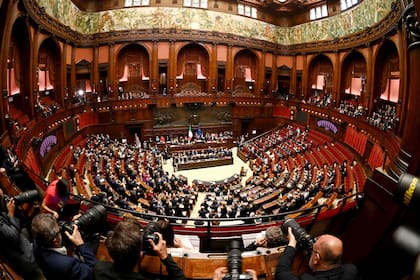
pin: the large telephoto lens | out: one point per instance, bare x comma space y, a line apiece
27, 196
305, 241
92, 219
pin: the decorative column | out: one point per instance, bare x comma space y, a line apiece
73, 88
229, 70
95, 70
274, 79
64, 98
305, 77
293, 76
112, 79
335, 95
408, 159
213, 70
172, 67
370, 76
154, 69
261, 75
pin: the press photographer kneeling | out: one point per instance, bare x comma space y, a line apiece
325, 260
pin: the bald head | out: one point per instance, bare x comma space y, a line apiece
327, 252
331, 248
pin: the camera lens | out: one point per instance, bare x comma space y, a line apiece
27, 196
92, 218
305, 241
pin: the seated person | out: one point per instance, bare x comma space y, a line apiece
273, 237
10, 165
52, 256
125, 246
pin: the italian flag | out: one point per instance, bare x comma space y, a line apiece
190, 133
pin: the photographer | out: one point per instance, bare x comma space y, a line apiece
16, 249
220, 273
325, 260
233, 271
273, 237
125, 246
53, 257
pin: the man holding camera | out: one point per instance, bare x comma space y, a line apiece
125, 246
53, 257
325, 260
16, 248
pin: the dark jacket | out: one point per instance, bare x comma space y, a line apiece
62, 267
16, 248
106, 271
284, 270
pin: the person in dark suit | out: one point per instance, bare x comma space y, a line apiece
125, 246
325, 260
53, 257
10, 165
16, 248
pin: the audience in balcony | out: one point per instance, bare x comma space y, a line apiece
320, 99
133, 95
384, 118
350, 108
46, 107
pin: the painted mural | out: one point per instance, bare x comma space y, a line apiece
366, 14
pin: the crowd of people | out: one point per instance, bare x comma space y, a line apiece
282, 163
49, 252
197, 136
124, 174
209, 154
46, 109
384, 118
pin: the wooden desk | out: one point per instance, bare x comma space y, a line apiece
204, 163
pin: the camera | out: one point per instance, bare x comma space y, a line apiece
234, 261
149, 233
407, 191
87, 223
304, 239
23, 197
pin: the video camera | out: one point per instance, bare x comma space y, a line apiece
235, 263
89, 222
23, 197
149, 233
304, 239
